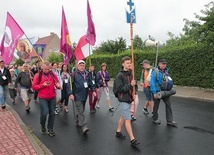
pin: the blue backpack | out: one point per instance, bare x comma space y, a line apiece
167, 82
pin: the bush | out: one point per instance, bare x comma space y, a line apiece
189, 66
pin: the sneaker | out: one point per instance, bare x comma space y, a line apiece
156, 121
51, 133
42, 129
27, 108
97, 106
133, 118
111, 108
120, 135
145, 111
92, 111
85, 129
173, 124
3, 107
134, 143
56, 112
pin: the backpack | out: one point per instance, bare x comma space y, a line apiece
148, 77
115, 88
167, 82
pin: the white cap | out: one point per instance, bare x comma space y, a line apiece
81, 61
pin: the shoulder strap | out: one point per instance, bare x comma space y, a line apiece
157, 73
40, 76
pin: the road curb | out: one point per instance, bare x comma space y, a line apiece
39, 147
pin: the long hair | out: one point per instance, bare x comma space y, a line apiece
62, 69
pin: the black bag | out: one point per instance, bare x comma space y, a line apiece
30, 91
115, 88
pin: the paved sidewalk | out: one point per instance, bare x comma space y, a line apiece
16, 139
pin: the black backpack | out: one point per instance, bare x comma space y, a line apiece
115, 88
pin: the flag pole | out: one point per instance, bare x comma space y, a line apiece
89, 55
133, 68
34, 48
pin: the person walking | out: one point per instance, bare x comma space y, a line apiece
124, 84
24, 79
12, 90
160, 82
65, 81
93, 99
103, 79
58, 91
5, 81
145, 82
81, 82
35, 70
45, 83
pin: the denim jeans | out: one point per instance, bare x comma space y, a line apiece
47, 106
2, 95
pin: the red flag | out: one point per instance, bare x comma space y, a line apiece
82, 49
65, 43
13, 33
91, 34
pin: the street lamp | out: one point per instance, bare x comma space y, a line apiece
157, 44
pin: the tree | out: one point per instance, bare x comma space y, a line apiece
55, 57
196, 32
19, 62
111, 46
138, 43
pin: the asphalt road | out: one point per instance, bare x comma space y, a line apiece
194, 134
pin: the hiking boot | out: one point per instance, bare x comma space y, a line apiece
145, 111
85, 129
134, 143
133, 118
27, 108
51, 133
173, 124
156, 121
120, 135
42, 129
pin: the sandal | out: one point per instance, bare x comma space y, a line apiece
66, 110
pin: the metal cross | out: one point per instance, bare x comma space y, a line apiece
130, 3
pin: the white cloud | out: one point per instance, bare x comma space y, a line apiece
39, 18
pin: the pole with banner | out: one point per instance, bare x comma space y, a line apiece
131, 18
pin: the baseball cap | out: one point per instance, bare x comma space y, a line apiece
163, 61
145, 61
81, 62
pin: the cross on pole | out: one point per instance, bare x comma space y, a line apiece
130, 3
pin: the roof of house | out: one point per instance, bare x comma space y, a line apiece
46, 40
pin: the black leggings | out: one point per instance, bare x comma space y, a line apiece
12, 93
64, 97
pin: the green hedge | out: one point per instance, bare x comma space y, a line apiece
189, 66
